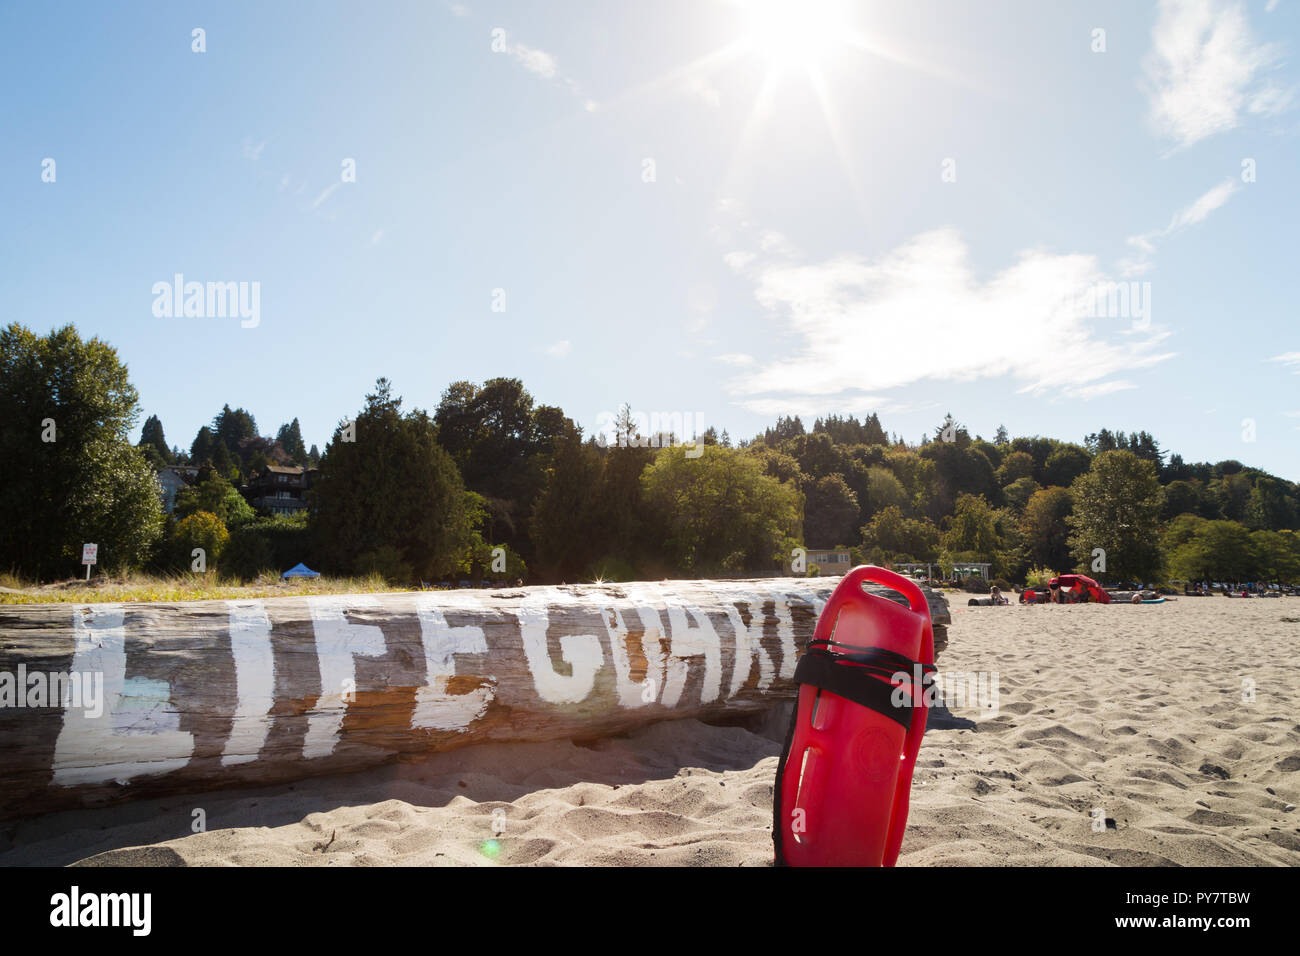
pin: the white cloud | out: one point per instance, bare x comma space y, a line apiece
774, 242
1096, 391
918, 312
735, 358
1202, 207
559, 349
252, 152
813, 408
1204, 70
1196, 212
536, 61
377, 237
738, 261
1289, 359
542, 64
324, 195
458, 10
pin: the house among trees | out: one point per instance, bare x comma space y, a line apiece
826, 559
172, 479
279, 489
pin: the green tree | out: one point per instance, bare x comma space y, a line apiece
883, 489
628, 541
973, 528
1043, 530
566, 529
959, 469
290, 439
719, 512
200, 530
153, 444
1018, 493
1184, 497
892, 537
392, 486
1219, 550
215, 495
1276, 555
233, 426
1065, 464
201, 449
1270, 506
1181, 530
831, 512
1231, 493
71, 475
1117, 509
268, 544
501, 443
1015, 466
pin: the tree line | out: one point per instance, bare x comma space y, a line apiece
492, 484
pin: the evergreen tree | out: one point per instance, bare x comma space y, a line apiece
567, 532
202, 448
290, 439
233, 426
394, 487
153, 444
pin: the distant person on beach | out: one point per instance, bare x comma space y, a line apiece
996, 596
1055, 594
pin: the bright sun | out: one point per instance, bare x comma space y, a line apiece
796, 32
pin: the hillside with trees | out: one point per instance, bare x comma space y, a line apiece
494, 485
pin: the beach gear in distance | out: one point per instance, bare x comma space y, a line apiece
300, 571
845, 774
1095, 591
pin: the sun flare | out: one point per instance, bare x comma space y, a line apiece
796, 32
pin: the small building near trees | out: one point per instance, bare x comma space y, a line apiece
279, 489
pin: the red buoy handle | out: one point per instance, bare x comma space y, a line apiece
890, 579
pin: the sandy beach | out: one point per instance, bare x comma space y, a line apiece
1135, 722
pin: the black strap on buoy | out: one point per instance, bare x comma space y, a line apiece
861, 682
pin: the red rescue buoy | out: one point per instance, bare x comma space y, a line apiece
845, 775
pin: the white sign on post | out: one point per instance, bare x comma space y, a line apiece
89, 552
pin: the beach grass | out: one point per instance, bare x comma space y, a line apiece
180, 587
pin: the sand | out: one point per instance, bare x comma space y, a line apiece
1127, 720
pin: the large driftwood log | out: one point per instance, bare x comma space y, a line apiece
105, 702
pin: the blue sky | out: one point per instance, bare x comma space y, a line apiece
731, 210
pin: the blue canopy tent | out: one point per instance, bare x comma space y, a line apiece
300, 571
